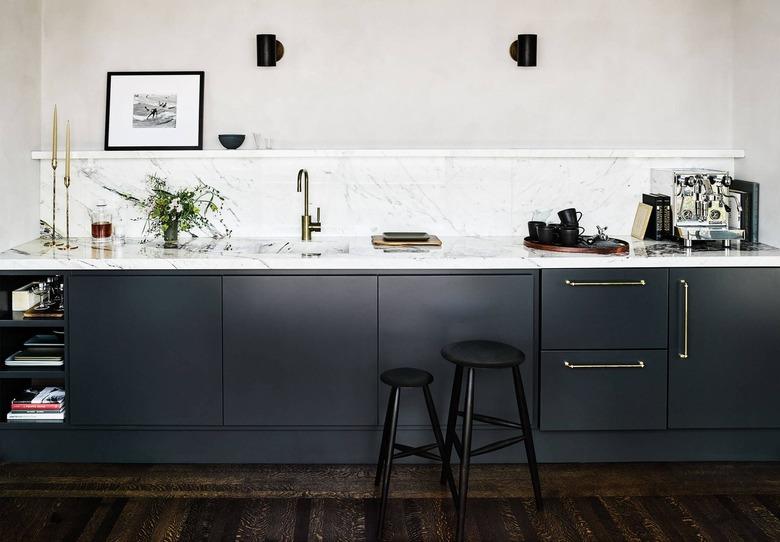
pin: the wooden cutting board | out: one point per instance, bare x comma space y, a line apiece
379, 241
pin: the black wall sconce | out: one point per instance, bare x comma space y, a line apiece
524, 50
269, 50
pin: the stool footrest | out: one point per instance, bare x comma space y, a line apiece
419, 451
500, 422
499, 444
492, 447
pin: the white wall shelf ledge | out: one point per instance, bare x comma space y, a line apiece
402, 153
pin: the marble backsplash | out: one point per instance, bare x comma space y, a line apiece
362, 195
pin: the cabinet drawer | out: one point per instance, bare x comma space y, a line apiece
604, 309
603, 390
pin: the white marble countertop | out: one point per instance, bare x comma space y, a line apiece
357, 253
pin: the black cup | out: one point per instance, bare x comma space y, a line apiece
570, 236
547, 234
533, 229
570, 217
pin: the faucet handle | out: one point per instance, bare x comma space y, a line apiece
318, 214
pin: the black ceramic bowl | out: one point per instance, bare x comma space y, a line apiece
231, 141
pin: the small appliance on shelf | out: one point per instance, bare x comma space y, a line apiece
702, 204
51, 292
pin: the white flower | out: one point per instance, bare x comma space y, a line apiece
175, 206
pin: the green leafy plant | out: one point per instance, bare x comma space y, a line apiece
186, 209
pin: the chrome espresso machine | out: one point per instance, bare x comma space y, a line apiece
701, 204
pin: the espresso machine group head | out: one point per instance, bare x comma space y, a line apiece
702, 204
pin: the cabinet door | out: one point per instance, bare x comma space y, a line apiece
603, 390
300, 350
418, 315
145, 350
587, 309
731, 377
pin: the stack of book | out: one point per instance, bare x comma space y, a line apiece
45, 350
660, 225
32, 405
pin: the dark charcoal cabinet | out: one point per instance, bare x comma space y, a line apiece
420, 314
731, 377
604, 309
145, 350
300, 350
603, 389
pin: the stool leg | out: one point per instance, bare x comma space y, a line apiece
380, 465
530, 452
395, 395
452, 418
445, 461
466, 459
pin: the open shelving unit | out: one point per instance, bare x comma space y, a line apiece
14, 331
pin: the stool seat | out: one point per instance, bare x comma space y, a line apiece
406, 377
483, 354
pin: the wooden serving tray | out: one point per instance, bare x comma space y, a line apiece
32, 314
613, 246
379, 241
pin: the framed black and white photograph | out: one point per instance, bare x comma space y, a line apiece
154, 111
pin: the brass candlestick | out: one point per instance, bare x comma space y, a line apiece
67, 245
53, 242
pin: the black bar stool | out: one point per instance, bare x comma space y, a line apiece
473, 355
406, 377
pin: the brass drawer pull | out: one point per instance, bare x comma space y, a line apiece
684, 353
637, 365
606, 283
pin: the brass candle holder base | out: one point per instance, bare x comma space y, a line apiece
53, 241
67, 245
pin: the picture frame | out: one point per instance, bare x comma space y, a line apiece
154, 110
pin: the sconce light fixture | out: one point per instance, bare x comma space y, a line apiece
524, 50
269, 50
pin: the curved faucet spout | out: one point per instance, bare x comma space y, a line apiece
303, 174
307, 225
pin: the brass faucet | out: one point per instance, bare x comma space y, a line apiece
307, 226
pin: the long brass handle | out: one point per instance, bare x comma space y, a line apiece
684, 353
637, 365
606, 283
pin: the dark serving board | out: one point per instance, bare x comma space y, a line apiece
613, 246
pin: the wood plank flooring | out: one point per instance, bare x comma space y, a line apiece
635, 502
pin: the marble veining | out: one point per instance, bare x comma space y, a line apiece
447, 194
357, 253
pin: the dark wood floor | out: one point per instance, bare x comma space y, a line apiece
702, 501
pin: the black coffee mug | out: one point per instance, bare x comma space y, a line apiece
533, 229
569, 236
547, 234
570, 217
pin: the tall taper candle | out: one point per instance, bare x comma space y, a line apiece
67, 149
54, 129
54, 139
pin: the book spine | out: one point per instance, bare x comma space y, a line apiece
659, 222
667, 221
35, 407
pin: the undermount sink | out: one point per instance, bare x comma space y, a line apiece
303, 248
